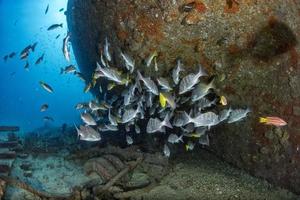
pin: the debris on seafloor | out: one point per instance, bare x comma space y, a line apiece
114, 167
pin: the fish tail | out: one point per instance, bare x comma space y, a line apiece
139, 77
61, 25
162, 100
212, 83
186, 147
166, 122
202, 71
140, 110
263, 120
180, 138
188, 119
61, 70
77, 130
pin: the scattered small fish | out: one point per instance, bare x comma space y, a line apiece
26, 67
127, 128
275, 121
129, 62
60, 10
68, 69
80, 76
88, 119
202, 90
176, 72
112, 119
66, 49
110, 74
237, 115
47, 87
87, 133
111, 127
188, 82
203, 119
5, 58
151, 57
199, 132
87, 88
129, 140
167, 151
106, 50
44, 107
130, 114
155, 64
25, 52
204, 103
148, 83
180, 119
167, 98
57, 36
47, 9
164, 84
155, 125
224, 114
40, 59
189, 146
54, 26
137, 129
47, 118
223, 101
80, 106
173, 138
111, 86
11, 55
33, 46
204, 140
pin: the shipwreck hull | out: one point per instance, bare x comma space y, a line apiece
251, 44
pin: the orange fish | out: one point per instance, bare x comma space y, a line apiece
276, 121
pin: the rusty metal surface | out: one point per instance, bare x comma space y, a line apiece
254, 44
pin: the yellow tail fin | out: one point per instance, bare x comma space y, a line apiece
162, 100
263, 120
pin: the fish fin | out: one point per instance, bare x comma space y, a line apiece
98, 68
202, 71
162, 100
78, 136
180, 138
263, 120
140, 106
187, 117
166, 122
212, 82
139, 77
248, 110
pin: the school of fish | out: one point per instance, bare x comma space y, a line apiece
183, 107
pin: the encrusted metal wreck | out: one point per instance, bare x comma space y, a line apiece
251, 45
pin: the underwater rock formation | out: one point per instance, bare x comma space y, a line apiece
251, 45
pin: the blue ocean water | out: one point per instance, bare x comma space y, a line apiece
23, 22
